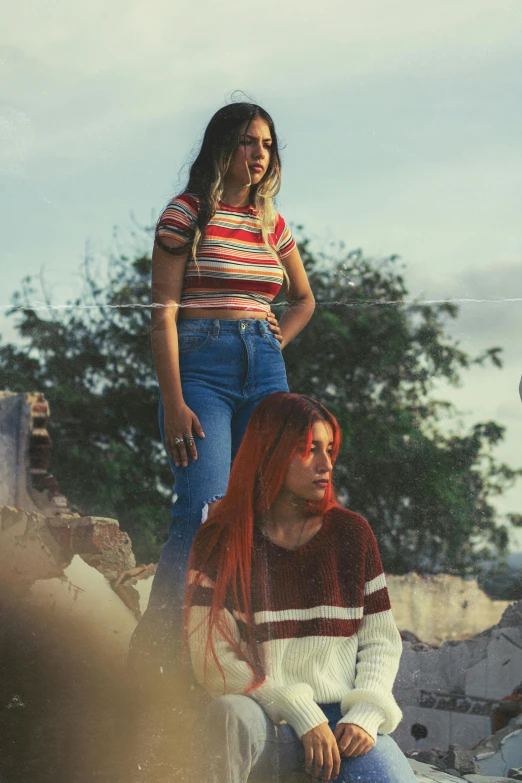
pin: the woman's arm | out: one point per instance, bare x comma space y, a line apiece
299, 296
292, 703
167, 284
370, 704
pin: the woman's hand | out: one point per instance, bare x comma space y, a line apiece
352, 741
321, 752
273, 325
180, 426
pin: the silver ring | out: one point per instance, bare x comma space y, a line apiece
178, 440
189, 438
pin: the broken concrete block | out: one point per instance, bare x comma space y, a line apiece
427, 774
28, 550
502, 751
454, 692
512, 617
98, 541
461, 760
515, 774
500, 671
437, 729
485, 779
430, 757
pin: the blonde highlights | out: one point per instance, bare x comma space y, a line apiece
221, 139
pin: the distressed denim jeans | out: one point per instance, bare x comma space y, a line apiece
236, 741
226, 368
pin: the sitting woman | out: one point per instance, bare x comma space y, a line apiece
287, 614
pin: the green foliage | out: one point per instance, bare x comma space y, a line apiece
372, 356
94, 363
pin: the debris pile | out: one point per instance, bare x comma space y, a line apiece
457, 695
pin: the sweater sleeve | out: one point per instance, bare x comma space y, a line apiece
292, 703
370, 704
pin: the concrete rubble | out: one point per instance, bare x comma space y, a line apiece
442, 607
501, 753
455, 695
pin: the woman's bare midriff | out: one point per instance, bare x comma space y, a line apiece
221, 314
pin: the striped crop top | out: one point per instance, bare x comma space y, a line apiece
234, 269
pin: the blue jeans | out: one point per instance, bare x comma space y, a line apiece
236, 741
226, 369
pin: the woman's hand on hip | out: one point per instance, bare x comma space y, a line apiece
273, 325
322, 757
352, 740
181, 424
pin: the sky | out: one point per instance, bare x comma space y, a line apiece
401, 126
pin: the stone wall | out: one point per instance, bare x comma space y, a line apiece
442, 607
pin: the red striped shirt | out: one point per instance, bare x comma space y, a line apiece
234, 268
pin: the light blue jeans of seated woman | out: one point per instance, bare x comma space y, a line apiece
236, 741
226, 368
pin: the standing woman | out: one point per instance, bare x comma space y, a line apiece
221, 254
288, 614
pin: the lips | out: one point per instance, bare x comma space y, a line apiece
323, 483
257, 169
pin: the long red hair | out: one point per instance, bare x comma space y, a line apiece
274, 434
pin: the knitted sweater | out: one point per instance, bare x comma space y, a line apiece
322, 617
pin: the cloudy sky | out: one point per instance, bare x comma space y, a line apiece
402, 126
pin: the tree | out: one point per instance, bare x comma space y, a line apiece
374, 359
370, 355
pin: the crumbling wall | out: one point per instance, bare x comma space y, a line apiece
449, 695
28, 548
34, 546
442, 607
25, 449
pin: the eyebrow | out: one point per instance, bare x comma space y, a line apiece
249, 136
317, 442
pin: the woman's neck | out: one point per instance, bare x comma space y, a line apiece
286, 512
289, 522
236, 195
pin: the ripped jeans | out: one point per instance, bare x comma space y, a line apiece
226, 368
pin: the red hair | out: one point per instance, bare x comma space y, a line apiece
272, 438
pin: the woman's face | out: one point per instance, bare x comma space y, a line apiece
308, 477
250, 160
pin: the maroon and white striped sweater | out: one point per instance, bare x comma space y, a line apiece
322, 616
